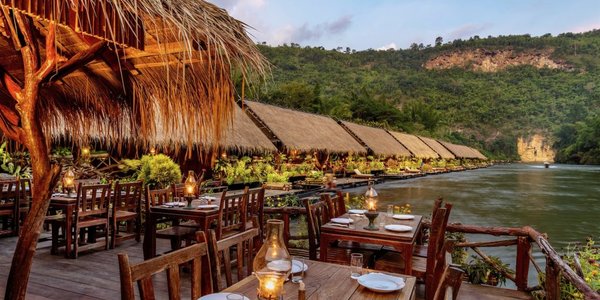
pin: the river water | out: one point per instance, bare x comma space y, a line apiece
562, 201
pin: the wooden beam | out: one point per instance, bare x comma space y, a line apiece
77, 61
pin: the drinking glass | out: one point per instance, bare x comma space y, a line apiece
390, 210
382, 220
356, 264
233, 296
297, 262
354, 219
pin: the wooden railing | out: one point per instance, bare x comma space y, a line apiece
524, 238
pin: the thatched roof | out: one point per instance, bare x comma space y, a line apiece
461, 151
414, 144
437, 147
477, 154
304, 131
243, 135
377, 139
166, 70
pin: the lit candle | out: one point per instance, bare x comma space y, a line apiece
190, 184
371, 205
270, 286
152, 151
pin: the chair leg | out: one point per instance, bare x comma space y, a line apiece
106, 236
115, 229
54, 247
138, 229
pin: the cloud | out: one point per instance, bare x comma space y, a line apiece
585, 27
307, 32
388, 46
468, 30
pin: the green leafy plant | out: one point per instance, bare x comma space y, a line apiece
481, 272
285, 201
62, 151
10, 166
158, 171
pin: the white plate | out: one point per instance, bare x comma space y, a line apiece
208, 206
342, 220
403, 217
296, 266
398, 228
218, 296
279, 265
210, 198
381, 283
357, 211
175, 204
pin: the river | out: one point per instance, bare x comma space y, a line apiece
562, 201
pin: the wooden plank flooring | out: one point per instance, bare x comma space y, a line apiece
94, 275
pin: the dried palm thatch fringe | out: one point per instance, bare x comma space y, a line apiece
437, 147
461, 151
414, 144
177, 91
377, 139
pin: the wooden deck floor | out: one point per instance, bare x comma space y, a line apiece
94, 275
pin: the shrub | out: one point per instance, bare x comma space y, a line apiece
159, 171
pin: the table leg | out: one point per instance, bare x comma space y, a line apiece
150, 237
68, 230
408, 251
324, 244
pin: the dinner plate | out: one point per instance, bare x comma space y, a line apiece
218, 296
342, 220
357, 211
279, 265
398, 228
208, 206
381, 283
209, 198
403, 217
296, 266
175, 204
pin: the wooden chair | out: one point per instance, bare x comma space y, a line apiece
444, 276
221, 250
423, 268
175, 233
420, 249
25, 188
255, 204
141, 273
233, 215
317, 215
337, 204
92, 212
126, 208
9, 207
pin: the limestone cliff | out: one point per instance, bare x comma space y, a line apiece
495, 60
535, 149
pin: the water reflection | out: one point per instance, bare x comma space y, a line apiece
562, 201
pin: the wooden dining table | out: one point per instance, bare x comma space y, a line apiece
399, 241
67, 204
328, 281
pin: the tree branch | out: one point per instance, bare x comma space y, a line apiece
25, 29
51, 57
77, 61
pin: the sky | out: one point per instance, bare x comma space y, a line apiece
384, 24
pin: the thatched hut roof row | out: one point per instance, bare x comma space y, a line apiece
297, 130
461, 151
415, 145
376, 139
437, 147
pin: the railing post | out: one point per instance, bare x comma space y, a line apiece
522, 268
552, 280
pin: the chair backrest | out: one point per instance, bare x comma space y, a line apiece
317, 214
128, 196
450, 277
330, 206
92, 181
9, 202
92, 200
435, 247
178, 190
337, 202
142, 273
255, 206
232, 213
220, 251
25, 188
158, 197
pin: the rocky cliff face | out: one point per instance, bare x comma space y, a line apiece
535, 149
494, 60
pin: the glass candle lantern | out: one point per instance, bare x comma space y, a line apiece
68, 181
189, 188
270, 285
152, 151
371, 198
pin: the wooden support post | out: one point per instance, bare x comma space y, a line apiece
522, 267
552, 280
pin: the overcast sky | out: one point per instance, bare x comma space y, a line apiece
363, 24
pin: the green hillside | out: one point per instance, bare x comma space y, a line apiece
488, 110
